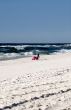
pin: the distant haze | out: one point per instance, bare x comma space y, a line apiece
35, 21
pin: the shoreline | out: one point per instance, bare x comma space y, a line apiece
20, 57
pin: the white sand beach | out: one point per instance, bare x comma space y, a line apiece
43, 84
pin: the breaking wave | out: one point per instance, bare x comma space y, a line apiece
15, 51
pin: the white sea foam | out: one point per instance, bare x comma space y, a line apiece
20, 47
8, 55
62, 51
28, 53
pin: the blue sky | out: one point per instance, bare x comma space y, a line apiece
35, 21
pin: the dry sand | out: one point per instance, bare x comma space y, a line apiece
44, 84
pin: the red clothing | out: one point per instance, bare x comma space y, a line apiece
35, 58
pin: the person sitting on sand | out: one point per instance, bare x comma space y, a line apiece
35, 57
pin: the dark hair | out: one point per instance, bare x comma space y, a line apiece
38, 54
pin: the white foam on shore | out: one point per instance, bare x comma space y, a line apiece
44, 84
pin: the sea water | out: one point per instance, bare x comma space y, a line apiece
18, 50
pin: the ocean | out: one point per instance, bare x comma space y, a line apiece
19, 50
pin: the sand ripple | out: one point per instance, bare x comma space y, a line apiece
47, 92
